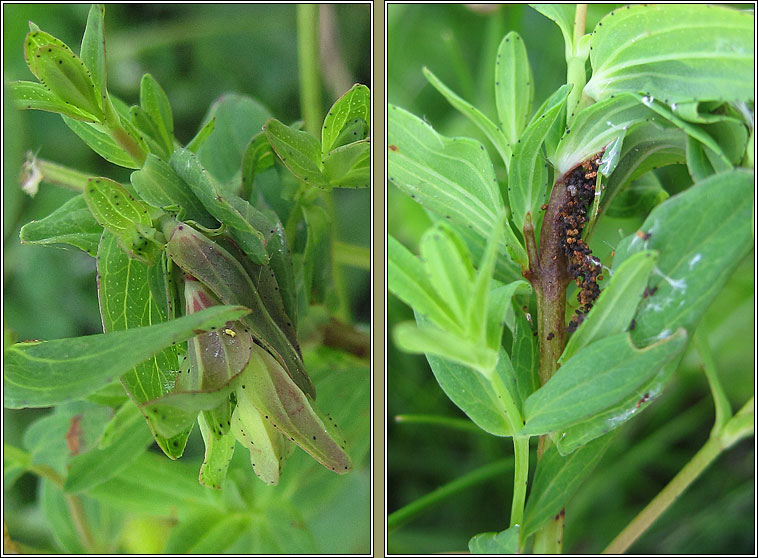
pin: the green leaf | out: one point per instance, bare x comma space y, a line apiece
101, 143
123, 216
442, 343
249, 227
67, 78
148, 131
527, 176
174, 413
407, 279
227, 279
472, 393
202, 135
349, 166
514, 87
701, 234
257, 158
689, 128
647, 145
559, 126
72, 427
72, 223
36, 39
563, 16
504, 542
448, 266
355, 130
613, 417
493, 133
154, 102
209, 533
58, 516
113, 206
111, 395
123, 422
356, 103
616, 305
151, 488
159, 185
98, 465
280, 262
596, 126
453, 177
218, 455
299, 151
597, 377
44, 373
234, 120
639, 198
731, 138
524, 355
317, 255
30, 95
92, 49
674, 53
556, 480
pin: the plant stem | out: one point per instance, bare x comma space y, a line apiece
53, 173
549, 539
126, 142
347, 338
548, 274
405, 514
720, 400
575, 61
520, 478
308, 66
352, 255
310, 106
439, 420
665, 497
79, 519
343, 304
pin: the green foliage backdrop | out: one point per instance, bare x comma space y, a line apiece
458, 44
197, 53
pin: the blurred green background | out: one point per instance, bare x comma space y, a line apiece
197, 52
716, 515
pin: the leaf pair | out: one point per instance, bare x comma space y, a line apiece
342, 159
463, 308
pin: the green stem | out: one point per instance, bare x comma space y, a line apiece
340, 289
520, 478
405, 514
549, 539
520, 448
126, 142
308, 66
352, 255
720, 400
665, 497
437, 420
58, 175
575, 62
79, 519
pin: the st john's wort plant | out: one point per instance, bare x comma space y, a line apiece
668, 84
202, 286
